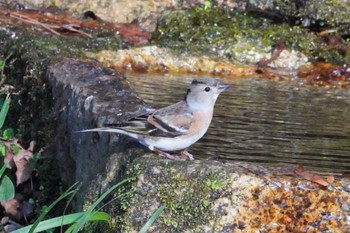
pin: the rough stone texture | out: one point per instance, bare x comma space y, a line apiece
211, 196
119, 11
147, 12
87, 96
199, 196
164, 60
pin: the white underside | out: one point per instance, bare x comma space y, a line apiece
172, 144
161, 143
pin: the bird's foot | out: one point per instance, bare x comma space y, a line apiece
166, 155
186, 155
183, 155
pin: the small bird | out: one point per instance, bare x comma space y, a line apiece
176, 127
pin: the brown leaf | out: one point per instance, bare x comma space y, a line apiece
132, 33
22, 161
318, 179
313, 177
330, 179
277, 50
12, 208
129, 32
8, 160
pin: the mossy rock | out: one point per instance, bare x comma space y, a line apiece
29, 54
213, 196
242, 37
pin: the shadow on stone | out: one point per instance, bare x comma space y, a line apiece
86, 96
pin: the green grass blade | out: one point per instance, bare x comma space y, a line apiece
65, 208
2, 170
2, 64
96, 216
70, 191
7, 189
4, 110
70, 229
82, 221
64, 220
153, 218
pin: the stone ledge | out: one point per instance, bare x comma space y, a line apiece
212, 196
200, 196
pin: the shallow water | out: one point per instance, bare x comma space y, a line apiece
264, 121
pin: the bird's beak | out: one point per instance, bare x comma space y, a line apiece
223, 87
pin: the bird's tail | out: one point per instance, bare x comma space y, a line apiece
110, 130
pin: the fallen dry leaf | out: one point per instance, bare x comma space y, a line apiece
12, 208
313, 177
330, 179
277, 50
22, 162
57, 24
8, 160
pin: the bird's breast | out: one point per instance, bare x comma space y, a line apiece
199, 126
201, 122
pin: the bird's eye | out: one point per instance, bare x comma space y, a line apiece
207, 89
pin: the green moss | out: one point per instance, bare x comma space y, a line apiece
214, 182
329, 12
201, 27
118, 203
126, 192
122, 199
188, 200
236, 35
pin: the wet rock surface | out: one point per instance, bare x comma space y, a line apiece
216, 40
154, 59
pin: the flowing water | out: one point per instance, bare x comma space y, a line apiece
264, 121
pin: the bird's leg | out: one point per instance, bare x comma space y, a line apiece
177, 156
186, 155
165, 154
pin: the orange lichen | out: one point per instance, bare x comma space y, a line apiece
293, 206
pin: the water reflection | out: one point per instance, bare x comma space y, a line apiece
264, 121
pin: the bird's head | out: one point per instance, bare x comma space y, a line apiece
203, 93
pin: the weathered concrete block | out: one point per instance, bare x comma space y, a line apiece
86, 96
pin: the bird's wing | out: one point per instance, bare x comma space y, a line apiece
138, 125
171, 121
